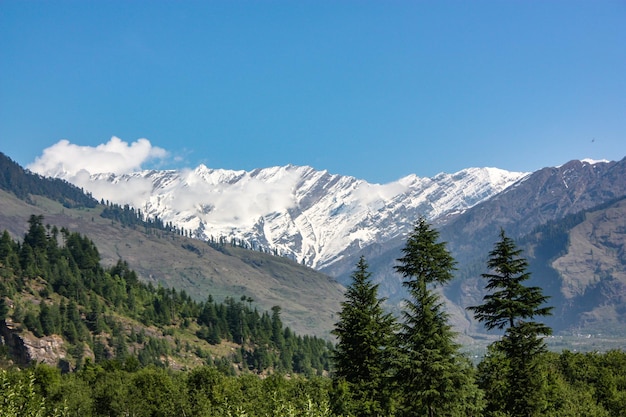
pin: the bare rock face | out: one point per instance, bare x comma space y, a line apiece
48, 349
27, 348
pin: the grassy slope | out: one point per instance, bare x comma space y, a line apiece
309, 300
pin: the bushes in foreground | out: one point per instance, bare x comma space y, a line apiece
576, 384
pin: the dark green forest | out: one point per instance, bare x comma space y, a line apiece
23, 183
107, 314
133, 349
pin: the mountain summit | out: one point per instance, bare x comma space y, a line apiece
311, 216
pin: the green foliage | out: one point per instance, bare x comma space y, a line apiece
598, 378
425, 260
19, 398
82, 299
513, 306
433, 377
363, 355
155, 393
32, 323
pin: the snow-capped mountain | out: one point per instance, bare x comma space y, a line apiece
312, 216
328, 221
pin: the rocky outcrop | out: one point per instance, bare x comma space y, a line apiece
25, 348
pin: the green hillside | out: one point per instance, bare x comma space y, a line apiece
53, 285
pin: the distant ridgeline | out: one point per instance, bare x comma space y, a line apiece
22, 183
15, 179
53, 284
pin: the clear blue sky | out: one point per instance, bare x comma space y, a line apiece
372, 89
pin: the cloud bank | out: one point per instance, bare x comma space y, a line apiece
67, 160
77, 164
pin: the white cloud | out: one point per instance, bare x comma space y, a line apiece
129, 190
77, 164
67, 160
241, 203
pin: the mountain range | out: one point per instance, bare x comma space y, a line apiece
313, 217
309, 300
327, 221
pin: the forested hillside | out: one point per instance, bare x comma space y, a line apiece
22, 184
53, 284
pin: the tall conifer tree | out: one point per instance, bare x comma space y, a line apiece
513, 306
435, 379
365, 333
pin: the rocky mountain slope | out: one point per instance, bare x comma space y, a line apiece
545, 196
313, 217
591, 267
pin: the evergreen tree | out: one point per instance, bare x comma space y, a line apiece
4, 308
36, 236
7, 246
32, 323
46, 319
513, 306
365, 338
433, 376
277, 328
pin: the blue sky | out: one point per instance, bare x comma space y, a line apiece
372, 89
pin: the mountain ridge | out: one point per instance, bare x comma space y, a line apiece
312, 216
468, 208
167, 258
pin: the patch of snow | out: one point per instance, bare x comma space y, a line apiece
594, 161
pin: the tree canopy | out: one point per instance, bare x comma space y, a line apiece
434, 378
363, 353
513, 306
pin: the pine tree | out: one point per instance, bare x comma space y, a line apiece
7, 246
277, 328
46, 319
365, 337
4, 308
434, 378
513, 306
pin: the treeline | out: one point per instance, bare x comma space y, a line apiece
580, 384
127, 216
22, 183
93, 309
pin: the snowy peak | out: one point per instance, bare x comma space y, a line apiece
312, 216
